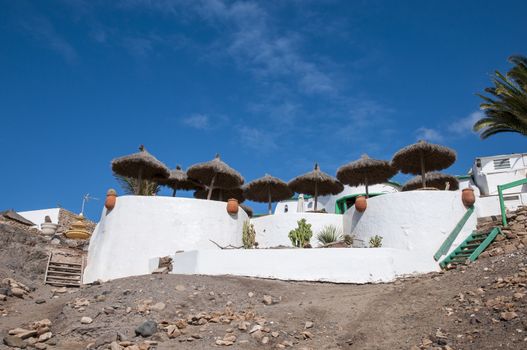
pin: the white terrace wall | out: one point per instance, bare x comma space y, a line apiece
140, 228
37, 216
273, 230
415, 220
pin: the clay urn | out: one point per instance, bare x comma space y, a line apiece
232, 206
360, 204
111, 198
468, 197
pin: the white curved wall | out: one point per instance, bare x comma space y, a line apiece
413, 220
142, 227
273, 230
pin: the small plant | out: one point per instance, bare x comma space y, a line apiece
301, 235
376, 241
348, 239
131, 186
248, 235
329, 234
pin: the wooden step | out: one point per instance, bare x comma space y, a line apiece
73, 278
63, 273
65, 269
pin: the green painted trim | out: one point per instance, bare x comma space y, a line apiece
394, 183
464, 177
485, 243
453, 235
343, 199
502, 201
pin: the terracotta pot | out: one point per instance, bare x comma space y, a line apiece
468, 197
361, 204
232, 206
111, 198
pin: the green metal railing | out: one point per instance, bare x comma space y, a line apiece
453, 235
503, 187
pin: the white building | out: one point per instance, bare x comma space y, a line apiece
489, 172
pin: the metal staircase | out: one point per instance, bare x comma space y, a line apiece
64, 272
471, 248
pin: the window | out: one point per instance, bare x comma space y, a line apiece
504, 163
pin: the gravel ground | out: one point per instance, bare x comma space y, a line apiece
482, 306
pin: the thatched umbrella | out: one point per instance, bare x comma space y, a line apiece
434, 180
178, 180
140, 165
365, 171
215, 174
247, 209
316, 183
221, 194
422, 157
267, 189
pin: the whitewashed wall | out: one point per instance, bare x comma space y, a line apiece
37, 216
273, 230
141, 227
415, 220
340, 265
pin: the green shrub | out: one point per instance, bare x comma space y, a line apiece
302, 234
348, 239
376, 241
329, 234
248, 235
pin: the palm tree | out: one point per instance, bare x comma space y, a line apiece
506, 108
131, 186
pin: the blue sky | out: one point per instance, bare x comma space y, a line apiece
273, 86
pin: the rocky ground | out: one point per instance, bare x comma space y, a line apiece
481, 306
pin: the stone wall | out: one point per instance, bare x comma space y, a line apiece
66, 218
514, 235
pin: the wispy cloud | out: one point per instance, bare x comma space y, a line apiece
257, 139
197, 121
429, 134
42, 30
464, 126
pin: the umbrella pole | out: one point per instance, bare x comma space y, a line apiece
220, 195
270, 202
423, 177
209, 195
174, 193
139, 181
316, 195
366, 184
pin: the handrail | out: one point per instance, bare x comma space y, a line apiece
453, 235
503, 187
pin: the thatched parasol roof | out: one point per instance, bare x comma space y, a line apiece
365, 171
267, 189
247, 209
179, 180
435, 157
140, 165
260, 189
316, 183
435, 180
223, 175
221, 194
326, 184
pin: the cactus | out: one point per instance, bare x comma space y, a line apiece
248, 235
302, 234
376, 241
348, 239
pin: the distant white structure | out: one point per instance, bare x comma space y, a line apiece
38, 216
337, 204
489, 172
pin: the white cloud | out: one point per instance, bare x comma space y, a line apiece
464, 125
257, 139
43, 31
197, 121
428, 134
